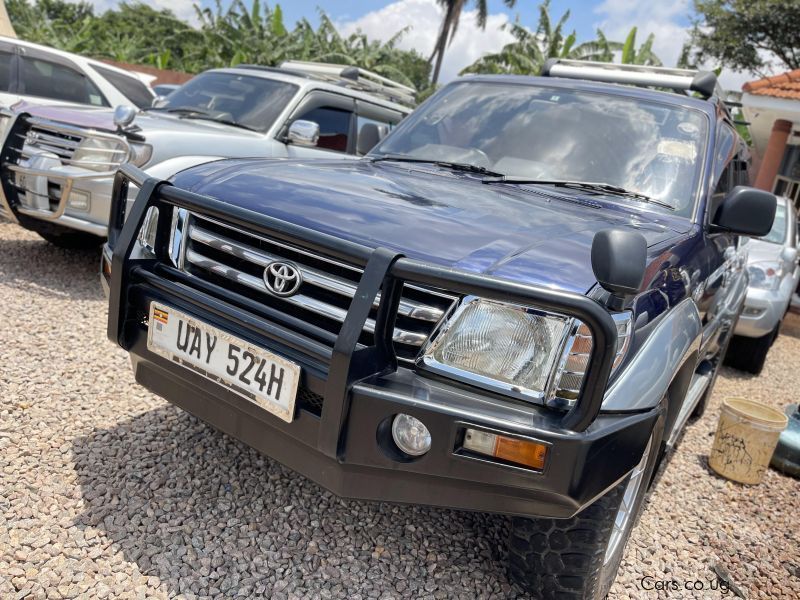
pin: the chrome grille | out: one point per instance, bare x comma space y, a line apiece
228, 256
61, 144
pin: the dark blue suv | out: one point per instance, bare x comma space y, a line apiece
512, 304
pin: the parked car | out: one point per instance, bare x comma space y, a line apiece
44, 75
774, 276
513, 304
58, 163
165, 89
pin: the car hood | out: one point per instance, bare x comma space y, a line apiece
430, 214
149, 123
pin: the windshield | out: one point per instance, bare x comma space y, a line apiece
542, 133
777, 235
250, 102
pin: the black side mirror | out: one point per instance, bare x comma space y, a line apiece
746, 211
368, 137
619, 260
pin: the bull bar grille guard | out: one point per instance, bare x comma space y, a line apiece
384, 269
21, 123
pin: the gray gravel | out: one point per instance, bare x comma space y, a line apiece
107, 491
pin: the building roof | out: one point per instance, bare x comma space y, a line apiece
786, 85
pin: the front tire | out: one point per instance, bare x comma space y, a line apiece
578, 558
750, 354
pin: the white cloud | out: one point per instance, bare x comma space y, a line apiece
661, 19
423, 17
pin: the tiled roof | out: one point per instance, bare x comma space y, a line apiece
785, 85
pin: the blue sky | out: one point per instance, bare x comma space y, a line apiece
668, 20
583, 17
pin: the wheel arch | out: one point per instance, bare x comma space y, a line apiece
660, 366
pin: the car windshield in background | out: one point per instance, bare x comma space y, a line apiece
240, 100
541, 133
777, 235
133, 88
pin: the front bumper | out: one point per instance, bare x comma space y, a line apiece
763, 310
580, 466
349, 392
36, 186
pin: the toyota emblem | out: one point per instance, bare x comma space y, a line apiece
282, 279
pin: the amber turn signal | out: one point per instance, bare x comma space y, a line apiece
525, 453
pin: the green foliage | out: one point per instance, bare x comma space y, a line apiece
137, 33
747, 34
530, 49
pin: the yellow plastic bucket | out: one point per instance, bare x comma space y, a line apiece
747, 434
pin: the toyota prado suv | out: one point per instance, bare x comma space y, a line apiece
513, 304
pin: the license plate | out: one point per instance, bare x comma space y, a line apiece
254, 373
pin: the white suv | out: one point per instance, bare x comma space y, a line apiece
58, 162
45, 75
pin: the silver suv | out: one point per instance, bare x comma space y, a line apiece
58, 162
774, 274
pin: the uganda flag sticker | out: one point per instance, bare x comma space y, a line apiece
161, 316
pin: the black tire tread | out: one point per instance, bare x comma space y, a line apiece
542, 551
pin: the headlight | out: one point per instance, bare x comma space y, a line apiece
100, 154
140, 154
765, 275
518, 351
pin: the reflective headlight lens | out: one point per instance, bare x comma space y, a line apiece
140, 154
99, 154
490, 342
765, 275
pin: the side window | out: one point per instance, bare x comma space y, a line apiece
334, 126
724, 167
131, 86
59, 82
5, 71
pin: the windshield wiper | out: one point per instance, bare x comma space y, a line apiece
583, 185
455, 166
224, 122
187, 110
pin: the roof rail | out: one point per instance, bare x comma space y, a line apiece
355, 78
681, 80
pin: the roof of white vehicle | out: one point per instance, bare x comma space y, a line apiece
309, 81
69, 55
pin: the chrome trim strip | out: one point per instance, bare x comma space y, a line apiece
310, 275
299, 300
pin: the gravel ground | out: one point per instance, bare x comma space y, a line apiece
107, 491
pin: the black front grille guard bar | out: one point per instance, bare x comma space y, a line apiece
383, 269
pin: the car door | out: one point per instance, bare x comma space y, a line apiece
53, 79
335, 115
723, 264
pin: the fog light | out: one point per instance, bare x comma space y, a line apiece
79, 200
521, 452
411, 435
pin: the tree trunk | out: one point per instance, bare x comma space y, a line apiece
438, 66
6, 28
